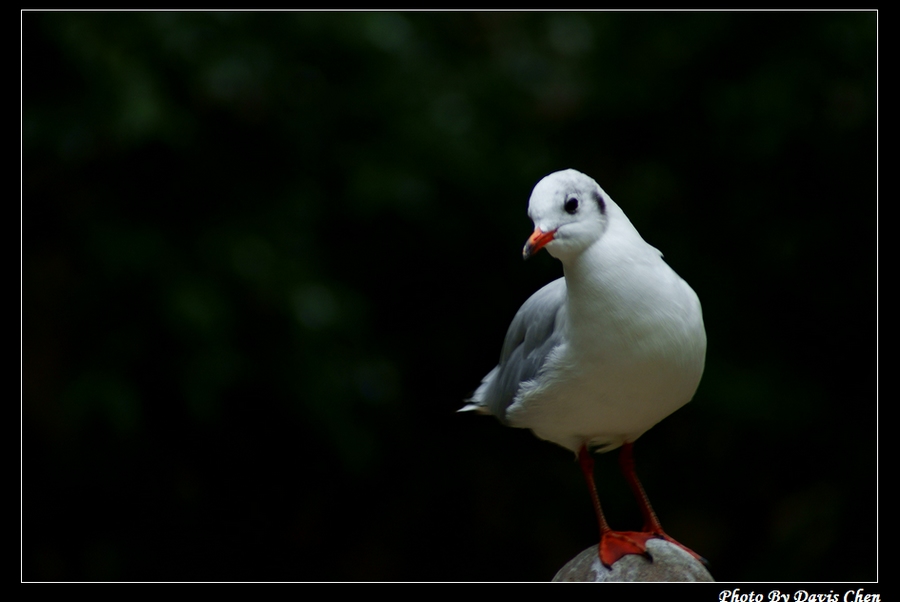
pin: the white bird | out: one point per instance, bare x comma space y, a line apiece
594, 359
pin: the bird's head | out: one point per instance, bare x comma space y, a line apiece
569, 211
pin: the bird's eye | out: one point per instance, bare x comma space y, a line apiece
571, 206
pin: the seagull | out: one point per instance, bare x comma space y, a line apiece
594, 359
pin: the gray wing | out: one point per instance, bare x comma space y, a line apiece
532, 335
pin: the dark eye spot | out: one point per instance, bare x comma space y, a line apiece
571, 206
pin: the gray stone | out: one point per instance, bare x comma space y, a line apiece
670, 563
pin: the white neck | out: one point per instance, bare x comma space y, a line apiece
611, 279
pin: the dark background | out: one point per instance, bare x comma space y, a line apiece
265, 256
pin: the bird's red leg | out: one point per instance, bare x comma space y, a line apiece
613, 544
651, 522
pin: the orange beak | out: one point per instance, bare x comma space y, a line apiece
536, 242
